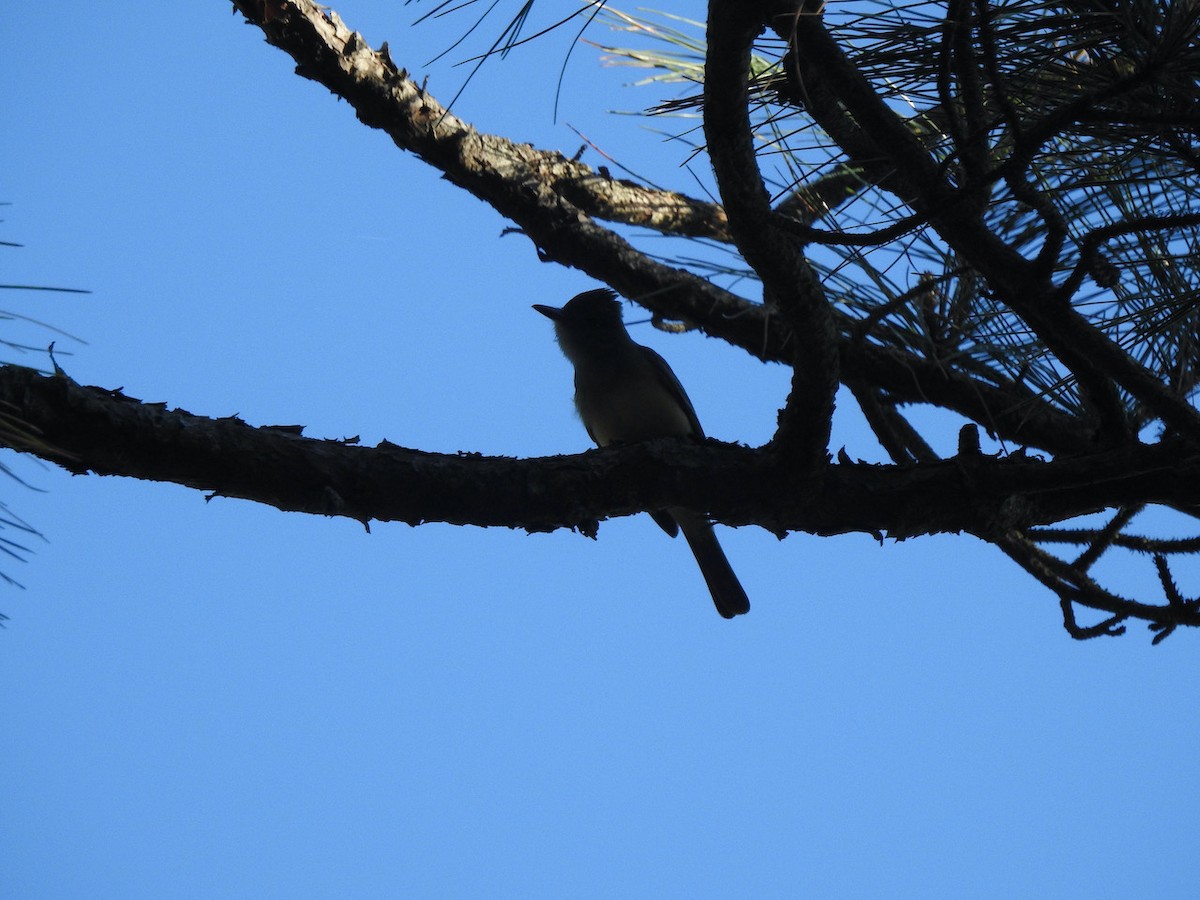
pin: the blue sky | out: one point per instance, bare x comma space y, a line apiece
218, 699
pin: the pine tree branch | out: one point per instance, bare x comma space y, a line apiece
551, 198
1075, 587
789, 282
1097, 363
89, 429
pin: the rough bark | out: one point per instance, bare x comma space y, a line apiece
89, 429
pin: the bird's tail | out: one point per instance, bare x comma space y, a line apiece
723, 584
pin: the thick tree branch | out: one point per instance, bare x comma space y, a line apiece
778, 258
88, 429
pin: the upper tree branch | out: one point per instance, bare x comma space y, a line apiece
1097, 362
551, 198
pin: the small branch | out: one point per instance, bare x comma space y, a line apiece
1175, 600
877, 238
1094, 240
1170, 589
813, 201
1105, 537
970, 138
894, 432
1110, 627
1076, 588
1136, 543
1007, 410
1016, 176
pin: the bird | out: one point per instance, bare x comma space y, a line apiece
624, 393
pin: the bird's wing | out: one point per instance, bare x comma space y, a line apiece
671, 383
664, 519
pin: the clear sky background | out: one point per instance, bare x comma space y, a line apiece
218, 699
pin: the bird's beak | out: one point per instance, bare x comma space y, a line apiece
550, 312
